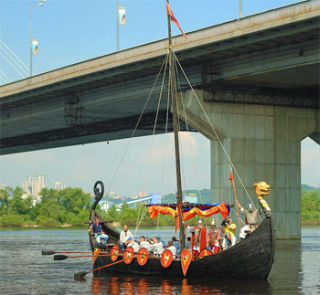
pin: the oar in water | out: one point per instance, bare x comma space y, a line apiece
63, 257
82, 274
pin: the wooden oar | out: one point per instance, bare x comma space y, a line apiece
63, 257
82, 274
50, 252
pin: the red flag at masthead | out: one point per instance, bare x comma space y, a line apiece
173, 18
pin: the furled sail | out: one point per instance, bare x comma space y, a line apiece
189, 210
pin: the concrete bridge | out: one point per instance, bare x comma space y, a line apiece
257, 78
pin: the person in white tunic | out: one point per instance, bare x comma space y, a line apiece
144, 243
172, 248
134, 245
157, 247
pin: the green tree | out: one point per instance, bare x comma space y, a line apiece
128, 215
19, 205
112, 213
4, 201
310, 207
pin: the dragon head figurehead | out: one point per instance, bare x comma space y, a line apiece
262, 188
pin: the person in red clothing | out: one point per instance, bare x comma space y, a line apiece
214, 237
196, 241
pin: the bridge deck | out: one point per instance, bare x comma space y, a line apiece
101, 99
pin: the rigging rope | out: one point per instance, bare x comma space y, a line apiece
191, 147
155, 121
144, 212
163, 154
211, 125
137, 124
160, 96
138, 215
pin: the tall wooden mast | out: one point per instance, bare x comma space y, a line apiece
173, 95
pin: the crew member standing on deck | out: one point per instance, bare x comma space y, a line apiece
213, 237
196, 242
252, 219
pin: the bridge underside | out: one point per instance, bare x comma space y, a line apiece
276, 66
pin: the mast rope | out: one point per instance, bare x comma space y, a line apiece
195, 174
137, 124
155, 125
138, 216
163, 154
143, 213
214, 130
160, 97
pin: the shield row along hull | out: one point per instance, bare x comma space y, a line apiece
250, 258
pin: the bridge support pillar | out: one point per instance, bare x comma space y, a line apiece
264, 143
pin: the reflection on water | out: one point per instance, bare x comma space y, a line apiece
24, 271
116, 285
287, 269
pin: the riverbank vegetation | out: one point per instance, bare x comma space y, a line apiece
71, 207
310, 207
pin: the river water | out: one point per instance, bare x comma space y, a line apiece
23, 270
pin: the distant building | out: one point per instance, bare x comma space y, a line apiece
27, 185
33, 184
58, 185
153, 198
104, 205
142, 193
38, 183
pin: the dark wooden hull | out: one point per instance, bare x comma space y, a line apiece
251, 258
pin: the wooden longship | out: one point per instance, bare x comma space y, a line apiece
250, 258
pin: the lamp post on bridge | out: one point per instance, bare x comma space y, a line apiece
41, 3
118, 47
121, 20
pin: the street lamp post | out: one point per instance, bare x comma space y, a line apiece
118, 46
41, 3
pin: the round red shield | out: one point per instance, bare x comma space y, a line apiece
205, 252
115, 253
128, 255
142, 256
166, 258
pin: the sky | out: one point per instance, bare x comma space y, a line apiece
71, 31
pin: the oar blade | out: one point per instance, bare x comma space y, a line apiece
60, 257
48, 252
80, 275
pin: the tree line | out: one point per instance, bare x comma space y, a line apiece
57, 207
71, 206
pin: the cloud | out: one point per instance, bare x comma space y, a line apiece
163, 148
